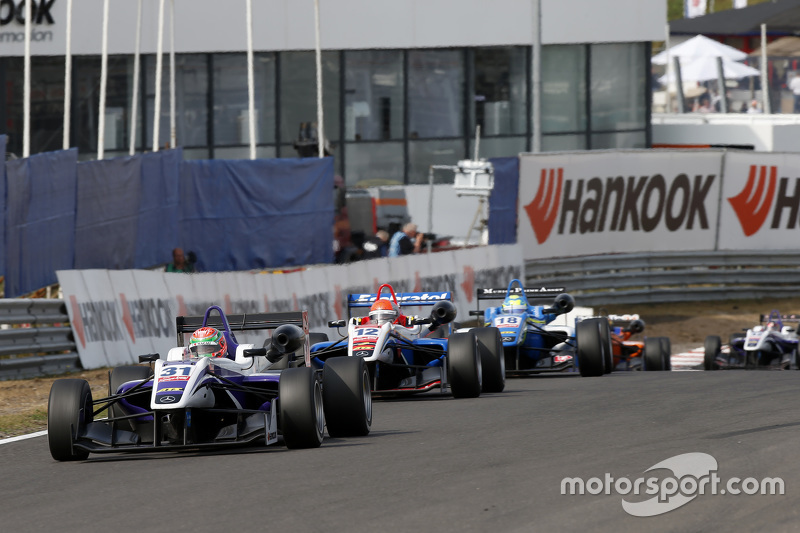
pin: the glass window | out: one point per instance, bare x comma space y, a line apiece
298, 93
231, 100
500, 91
373, 164
618, 74
558, 143
498, 147
563, 88
423, 154
373, 95
435, 94
243, 152
191, 101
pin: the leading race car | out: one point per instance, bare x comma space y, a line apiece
408, 354
772, 344
215, 393
652, 353
533, 344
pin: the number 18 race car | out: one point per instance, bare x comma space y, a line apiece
215, 393
406, 354
533, 345
772, 344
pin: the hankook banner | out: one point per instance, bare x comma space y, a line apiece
117, 315
606, 202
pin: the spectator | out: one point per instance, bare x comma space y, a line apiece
376, 246
406, 241
179, 262
754, 107
794, 85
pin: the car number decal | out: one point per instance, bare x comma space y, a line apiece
506, 321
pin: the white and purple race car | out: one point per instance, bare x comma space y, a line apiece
246, 396
772, 344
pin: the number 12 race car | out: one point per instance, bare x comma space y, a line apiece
236, 396
406, 354
532, 345
772, 344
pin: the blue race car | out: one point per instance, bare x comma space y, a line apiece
204, 397
533, 344
407, 354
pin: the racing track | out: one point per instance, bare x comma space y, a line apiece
494, 463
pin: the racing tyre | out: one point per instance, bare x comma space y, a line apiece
119, 376
608, 350
464, 365
653, 354
302, 419
347, 397
69, 410
493, 361
591, 352
712, 348
666, 349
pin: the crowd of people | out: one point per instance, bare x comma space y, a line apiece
355, 246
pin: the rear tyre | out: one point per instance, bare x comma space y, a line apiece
119, 376
493, 361
653, 354
591, 352
347, 397
464, 365
69, 411
712, 348
302, 419
666, 349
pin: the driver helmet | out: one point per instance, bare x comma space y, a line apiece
514, 304
772, 326
383, 311
207, 342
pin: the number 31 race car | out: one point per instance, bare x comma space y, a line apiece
243, 395
773, 344
406, 354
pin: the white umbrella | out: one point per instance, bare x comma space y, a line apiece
699, 46
705, 69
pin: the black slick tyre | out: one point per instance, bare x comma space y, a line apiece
493, 361
69, 410
302, 419
590, 351
666, 349
347, 397
653, 355
608, 350
464, 365
712, 347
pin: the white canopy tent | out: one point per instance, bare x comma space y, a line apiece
698, 46
704, 68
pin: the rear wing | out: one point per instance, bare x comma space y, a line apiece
775, 316
404, 299
538, 295
243, 322
622, 318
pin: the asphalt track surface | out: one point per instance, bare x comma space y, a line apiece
434, 463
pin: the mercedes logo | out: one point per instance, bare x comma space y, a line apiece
362, 354
508, 339
167, 399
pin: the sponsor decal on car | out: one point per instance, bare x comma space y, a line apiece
166, 399
363, 353
403, 298
508, 339
170, 389
562, 358
173, 378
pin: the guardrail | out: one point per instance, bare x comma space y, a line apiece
659, 277
45, 345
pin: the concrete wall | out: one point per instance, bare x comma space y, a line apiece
765, 133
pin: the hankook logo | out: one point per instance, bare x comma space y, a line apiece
11, 11
617, 204
752, 205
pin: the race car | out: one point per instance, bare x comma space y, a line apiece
533, 344
410, 354
652, 353
772, 344
197, 399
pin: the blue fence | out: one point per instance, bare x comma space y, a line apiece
130, 212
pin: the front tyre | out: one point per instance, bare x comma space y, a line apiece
347, 397
590, 350
712, 347
302, 419
464, 365
666, 349
653, 354
608, 349
69, 411
493, 361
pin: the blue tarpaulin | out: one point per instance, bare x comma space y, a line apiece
257, 214
503, 201
109, 193
3, 142
40, 219
157, 232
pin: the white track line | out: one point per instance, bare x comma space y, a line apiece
23, 437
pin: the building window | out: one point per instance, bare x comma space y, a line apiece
435, 94
563, 104
618, 78
499, 91
191, 101
373, 95
231, 101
